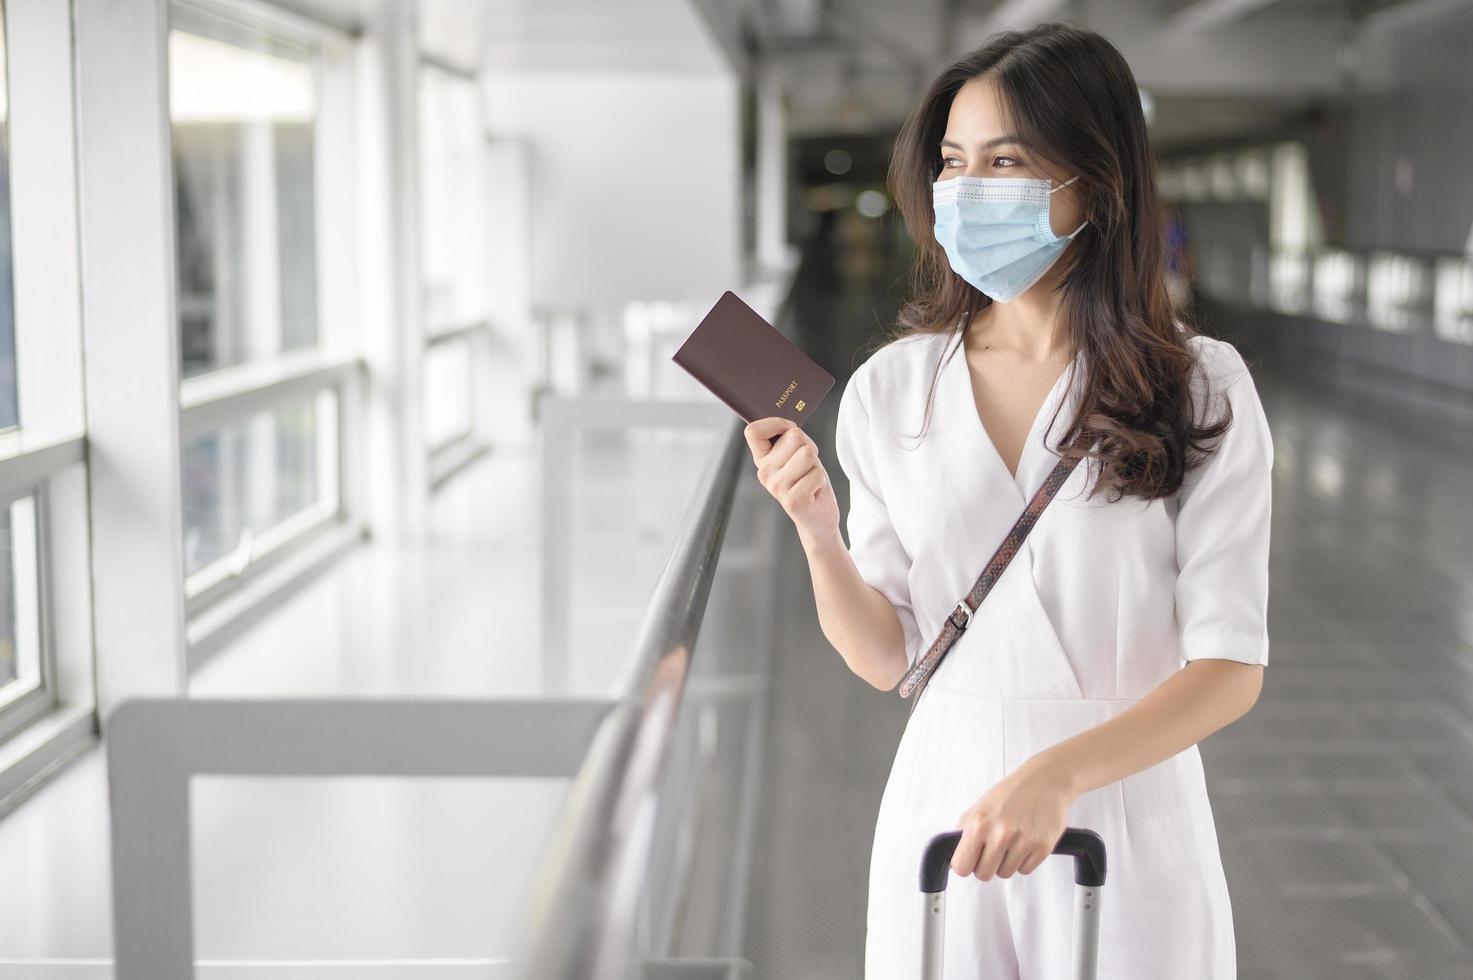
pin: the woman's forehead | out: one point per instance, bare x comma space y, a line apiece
977, 114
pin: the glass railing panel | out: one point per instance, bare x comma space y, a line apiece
1336, 276
1452, 318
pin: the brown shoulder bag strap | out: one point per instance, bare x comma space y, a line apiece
920, 672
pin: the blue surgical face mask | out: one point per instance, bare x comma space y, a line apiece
996, 231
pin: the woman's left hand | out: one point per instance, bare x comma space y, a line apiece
1016, 824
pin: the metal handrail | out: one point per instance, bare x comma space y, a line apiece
580, 914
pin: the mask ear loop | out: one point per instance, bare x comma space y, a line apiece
1061, 187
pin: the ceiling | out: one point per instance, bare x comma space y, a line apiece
530, 35
1212, 70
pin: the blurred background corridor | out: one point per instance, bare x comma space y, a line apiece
341, 448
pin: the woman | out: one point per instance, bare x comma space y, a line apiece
1131, 625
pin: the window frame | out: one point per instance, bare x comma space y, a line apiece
19, 708
226, 593
218, 400
44, 456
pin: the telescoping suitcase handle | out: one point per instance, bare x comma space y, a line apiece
1088, 850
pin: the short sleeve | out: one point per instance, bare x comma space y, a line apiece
882, 560
1222, 525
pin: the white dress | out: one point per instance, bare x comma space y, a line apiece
1103, 602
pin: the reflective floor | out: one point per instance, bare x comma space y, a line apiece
1344, 800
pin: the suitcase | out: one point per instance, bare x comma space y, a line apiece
1088, 851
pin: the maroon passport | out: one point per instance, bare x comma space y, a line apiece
750, 365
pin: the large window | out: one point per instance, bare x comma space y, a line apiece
45, 647
8, 413
243, 114
448, 404
454, 175
21, 665
275, 471
19, 668
261, 383
1296, 271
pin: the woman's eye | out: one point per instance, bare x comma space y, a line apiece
946, 162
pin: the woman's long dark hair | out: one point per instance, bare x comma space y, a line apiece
1070, 96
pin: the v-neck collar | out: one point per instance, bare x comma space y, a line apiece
1029, 475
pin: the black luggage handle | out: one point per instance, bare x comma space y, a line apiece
1086, 846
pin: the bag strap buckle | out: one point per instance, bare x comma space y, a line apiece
966, 611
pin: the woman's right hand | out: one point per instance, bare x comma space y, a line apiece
790, 470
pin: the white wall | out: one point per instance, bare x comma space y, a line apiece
634, 181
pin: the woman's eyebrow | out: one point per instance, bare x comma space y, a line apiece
1010, 138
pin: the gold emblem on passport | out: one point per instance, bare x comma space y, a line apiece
800, 404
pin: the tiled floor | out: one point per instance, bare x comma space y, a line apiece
1344, 800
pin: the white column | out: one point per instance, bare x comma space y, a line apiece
502, 395
250, 474
131, 336
260, 265
397, 467
336, 166
772, 172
